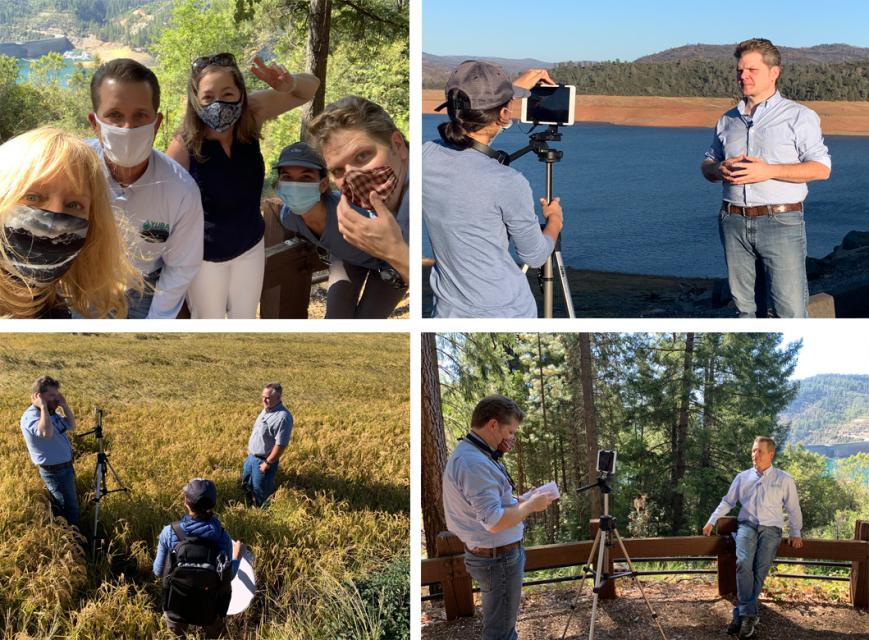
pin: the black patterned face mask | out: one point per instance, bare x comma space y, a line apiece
220, 116
43, 244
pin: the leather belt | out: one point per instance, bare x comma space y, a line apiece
55, 467
494, 553
761, 210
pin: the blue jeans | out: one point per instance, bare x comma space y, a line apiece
500, 581
756, 547
61, 489
778, 242
256, 483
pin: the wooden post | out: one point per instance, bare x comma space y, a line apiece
286, 291
860, 570
608, 590
727, 558
458, 593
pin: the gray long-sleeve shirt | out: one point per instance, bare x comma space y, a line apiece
473, 208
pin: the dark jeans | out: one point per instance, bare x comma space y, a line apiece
346, 281
500, 581
180, 628
257, 484
61, 489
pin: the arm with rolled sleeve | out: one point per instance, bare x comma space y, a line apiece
523, 226
728, 502
792, 508
181, 259
810, 140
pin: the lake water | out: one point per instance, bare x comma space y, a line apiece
635, 202
68, 69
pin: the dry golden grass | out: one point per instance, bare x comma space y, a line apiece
182, 405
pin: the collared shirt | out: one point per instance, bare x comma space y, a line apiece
473, 209
781, 131
53, 450
271, 428
763, 496
163, 209
476, 491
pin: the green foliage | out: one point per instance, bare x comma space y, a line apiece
386, 592
829, 409
821, 496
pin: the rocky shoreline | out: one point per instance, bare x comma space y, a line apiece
838, 284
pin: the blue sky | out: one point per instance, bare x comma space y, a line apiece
559, 30
840, 350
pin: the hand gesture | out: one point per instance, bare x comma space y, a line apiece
540, 500
707, 530
532, 77
749, 170
375, 236
36, 399
274, 75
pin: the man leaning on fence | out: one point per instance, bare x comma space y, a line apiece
483, 513
763, 491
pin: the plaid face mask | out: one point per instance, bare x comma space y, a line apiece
358, 185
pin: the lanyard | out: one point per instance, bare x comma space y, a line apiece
494, 456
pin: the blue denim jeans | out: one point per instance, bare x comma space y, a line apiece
500, 581
256, 483
756, 547
61, 489
778, 243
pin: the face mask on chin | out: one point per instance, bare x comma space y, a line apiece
43, 244
126, 147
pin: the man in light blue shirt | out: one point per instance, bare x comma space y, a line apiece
483, 513
45, 435
762, 491
764, 151
268, 440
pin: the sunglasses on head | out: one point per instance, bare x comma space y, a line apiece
221, 59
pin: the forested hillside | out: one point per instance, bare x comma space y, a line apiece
133, 22
829, 409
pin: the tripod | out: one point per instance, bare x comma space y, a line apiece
103, 466
603, 541
537, 144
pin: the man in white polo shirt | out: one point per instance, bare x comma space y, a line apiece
154, 194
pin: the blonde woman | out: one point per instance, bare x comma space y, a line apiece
219, 145
60, 246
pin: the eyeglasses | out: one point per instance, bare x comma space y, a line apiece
221, 59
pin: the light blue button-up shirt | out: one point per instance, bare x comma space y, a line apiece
762, 497
476, 491
781, 131
53, 450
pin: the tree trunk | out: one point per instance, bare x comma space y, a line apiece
589, 418
677, 471
317, 57
434, 448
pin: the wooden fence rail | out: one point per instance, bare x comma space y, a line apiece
448, 568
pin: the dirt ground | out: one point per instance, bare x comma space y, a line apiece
837, 118
688, 609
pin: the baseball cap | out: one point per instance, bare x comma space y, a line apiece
300, 155
201, 494
485, 84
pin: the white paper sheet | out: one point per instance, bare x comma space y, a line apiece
243, 584
549, 487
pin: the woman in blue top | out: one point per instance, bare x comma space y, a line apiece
311, 211
219, 145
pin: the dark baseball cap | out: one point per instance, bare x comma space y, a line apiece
201, 494
486, 86
301, 154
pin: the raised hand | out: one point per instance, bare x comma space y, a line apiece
275, 75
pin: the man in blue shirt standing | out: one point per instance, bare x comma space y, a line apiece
268, 440
45, 435
483, 513
762, 491
764, 151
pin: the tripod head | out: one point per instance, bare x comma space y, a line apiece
537, 144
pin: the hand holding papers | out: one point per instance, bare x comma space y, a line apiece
549, 487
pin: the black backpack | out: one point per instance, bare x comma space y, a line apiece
197, 580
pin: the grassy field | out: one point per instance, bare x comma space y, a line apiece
331, 549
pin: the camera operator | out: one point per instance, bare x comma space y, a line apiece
482, 511
45, 435
473, 206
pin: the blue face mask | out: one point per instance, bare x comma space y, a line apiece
300, 197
